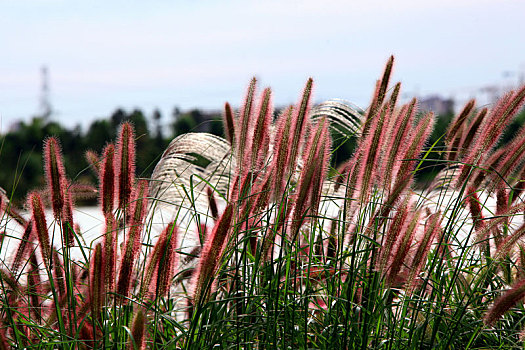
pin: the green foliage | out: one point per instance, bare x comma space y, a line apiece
20, 150
196, 120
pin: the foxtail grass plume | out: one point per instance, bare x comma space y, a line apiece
229, 124
306, 200
149, 279
55, 174
107, 180
212, 203
34, 289
4, 345
67, 222
204, 274
394, 96
281, 151
392, 235
511, 159
261, 136
472, 130
371, 147
40, 226
474, 206
132, 246
93, 160
379, 95
97, 291
490, 130
160, 268
110, 253
403, 178
520, 185
479, 175
23, 250
300, 121
403, 244
504, 303
125, 164
243, 140
510, 242
455, 130
138, 331
404, 121
167, 262
432, 230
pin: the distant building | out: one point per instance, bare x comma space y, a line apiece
436, 104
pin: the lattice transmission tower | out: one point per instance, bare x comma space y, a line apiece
45, 109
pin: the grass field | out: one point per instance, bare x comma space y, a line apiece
254, 241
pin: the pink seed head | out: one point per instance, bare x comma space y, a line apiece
167, 261
68, 235
34, 286
306, 199
107, 180
261, 138
55, 174
96, 281
393, 232
281, 152
242, 138
475, 208
214, 211
110, 253
432, 230
138, 331
125, 163
204, 274
133, 243
40, 225
23, 250
300, 121
380, 94
229, 123
93, 161
504, 303
472, 132
460, 120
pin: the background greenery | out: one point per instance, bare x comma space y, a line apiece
20, 148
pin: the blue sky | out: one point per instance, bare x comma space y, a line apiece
103, 55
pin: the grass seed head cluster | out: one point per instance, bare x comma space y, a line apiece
256, 241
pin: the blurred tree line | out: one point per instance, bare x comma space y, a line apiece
21, 148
